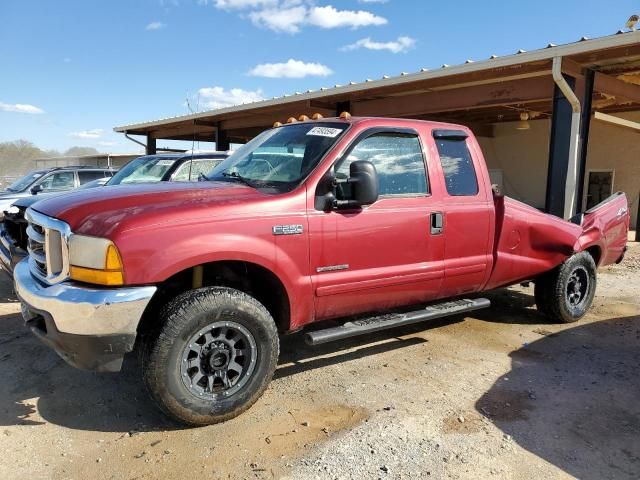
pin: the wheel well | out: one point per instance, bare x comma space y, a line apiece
595, 253
250, 278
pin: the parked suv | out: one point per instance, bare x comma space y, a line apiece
50, 180
177, 167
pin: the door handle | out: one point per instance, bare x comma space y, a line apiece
437, 223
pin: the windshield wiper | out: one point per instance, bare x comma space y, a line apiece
239, 177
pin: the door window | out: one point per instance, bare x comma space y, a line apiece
398, 160
457, 166
59, 181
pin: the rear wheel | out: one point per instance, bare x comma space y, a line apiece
567, 292
214, 356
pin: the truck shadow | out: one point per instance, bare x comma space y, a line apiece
39, 387
571, 398
511, 306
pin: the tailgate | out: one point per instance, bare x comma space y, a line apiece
610, 219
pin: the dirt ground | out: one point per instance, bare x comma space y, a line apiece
499, 394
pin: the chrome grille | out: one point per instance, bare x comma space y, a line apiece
47, 244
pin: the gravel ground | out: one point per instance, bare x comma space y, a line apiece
499, 394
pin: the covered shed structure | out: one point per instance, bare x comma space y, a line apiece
558, 126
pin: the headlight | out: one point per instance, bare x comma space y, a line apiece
95, 260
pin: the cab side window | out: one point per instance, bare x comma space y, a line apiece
182, 174
59, 181
190, 171
398, 160
457, 166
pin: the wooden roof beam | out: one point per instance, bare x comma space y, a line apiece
620, 122
626, 92
480, 96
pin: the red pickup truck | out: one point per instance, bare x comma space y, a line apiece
344, 218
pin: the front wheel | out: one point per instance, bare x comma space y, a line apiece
214, 356
567, 292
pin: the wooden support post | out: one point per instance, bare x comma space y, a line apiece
151, 145
559, 150
585, 124
222, 140
343, 107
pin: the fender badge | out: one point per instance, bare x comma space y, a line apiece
333, 268
287, 229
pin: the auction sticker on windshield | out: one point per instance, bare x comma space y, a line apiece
324, 132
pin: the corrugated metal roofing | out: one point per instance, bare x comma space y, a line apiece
583, 45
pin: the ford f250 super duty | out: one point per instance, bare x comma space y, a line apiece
356, 219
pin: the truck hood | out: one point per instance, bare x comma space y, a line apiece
102, 211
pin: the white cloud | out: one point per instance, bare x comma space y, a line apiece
218, 97
239, 4
291, 69
155, 26
87, 134
20, 108
286, 20
401, 44
329, 17
290, 16
107, 144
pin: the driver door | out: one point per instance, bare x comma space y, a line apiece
383, 255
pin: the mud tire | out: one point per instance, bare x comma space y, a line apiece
187, 315
566, 293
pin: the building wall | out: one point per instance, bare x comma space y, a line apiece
522, 156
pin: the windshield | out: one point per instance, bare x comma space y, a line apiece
143, 170
280, 158
22, 183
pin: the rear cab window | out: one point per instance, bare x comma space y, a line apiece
86, 176
457, 163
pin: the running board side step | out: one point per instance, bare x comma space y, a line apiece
392, 320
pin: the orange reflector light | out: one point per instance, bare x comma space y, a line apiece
317, 116
277, 124
345, 115
291, 120
303, 118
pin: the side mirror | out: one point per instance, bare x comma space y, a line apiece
363, 178
36, 189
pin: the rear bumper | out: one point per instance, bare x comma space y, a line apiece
88, 327
10, 253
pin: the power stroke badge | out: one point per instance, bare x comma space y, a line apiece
287, 229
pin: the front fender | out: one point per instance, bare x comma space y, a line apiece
152, 258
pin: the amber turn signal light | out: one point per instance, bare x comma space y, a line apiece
345, 115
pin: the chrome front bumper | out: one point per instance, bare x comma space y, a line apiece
89, 328
79, 309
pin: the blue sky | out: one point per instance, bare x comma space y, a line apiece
73, 69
